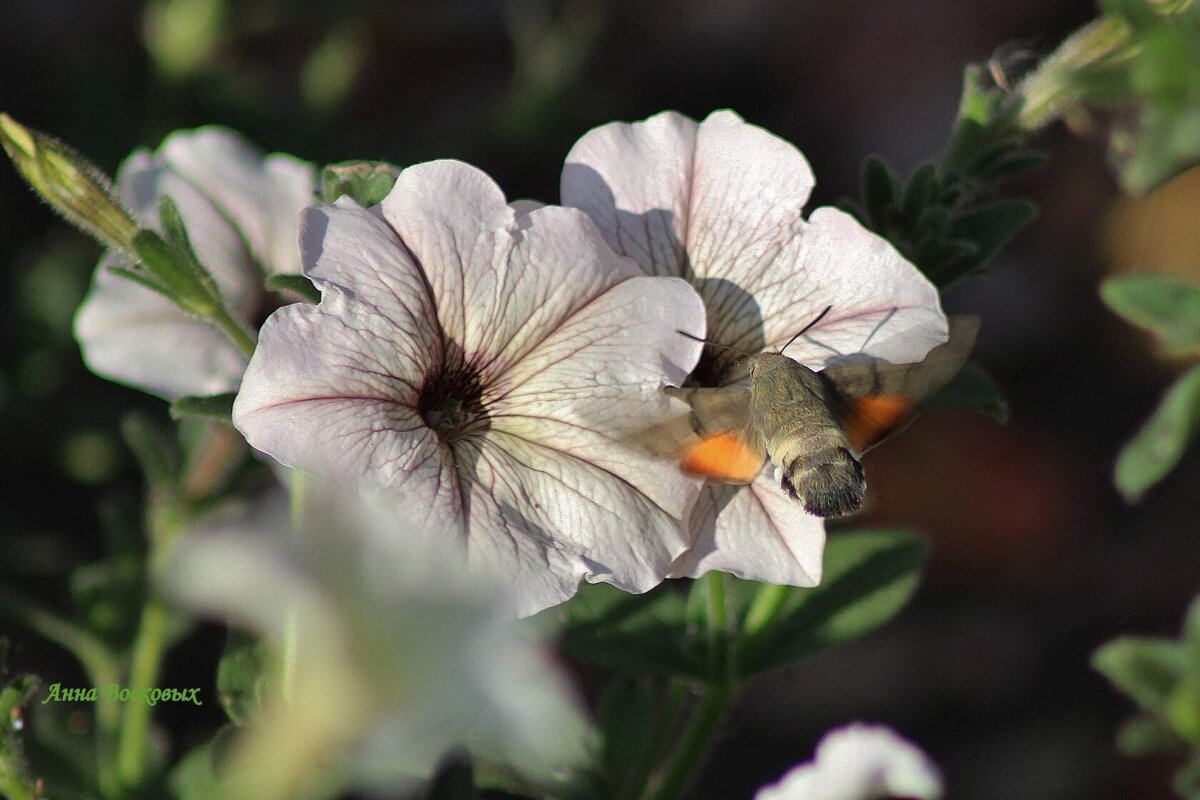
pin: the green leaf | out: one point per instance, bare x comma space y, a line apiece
1155, 450
880, 192
296, 284
243, 677
645, 634
989, 227
1145, 669
1146, 734
217, 406
869, 576
1167, 307
972, 389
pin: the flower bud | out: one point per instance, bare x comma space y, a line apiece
71, 184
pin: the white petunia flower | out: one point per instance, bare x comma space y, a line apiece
720, 204
474, 361
242, 212
396, 654
860, 762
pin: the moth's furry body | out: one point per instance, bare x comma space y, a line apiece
794, 407
811, 425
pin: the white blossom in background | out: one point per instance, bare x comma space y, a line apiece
242, 212
860, 762
398, 654
720, 204
475, 361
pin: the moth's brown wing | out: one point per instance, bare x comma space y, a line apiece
876, 398
714, 439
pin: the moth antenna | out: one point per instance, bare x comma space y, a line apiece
714, 344
806, 329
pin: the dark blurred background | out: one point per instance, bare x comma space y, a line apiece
1035, 558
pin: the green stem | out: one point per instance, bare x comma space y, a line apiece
166, 521
236, 333
289, 654
719, 691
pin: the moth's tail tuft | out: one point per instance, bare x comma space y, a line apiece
830, 486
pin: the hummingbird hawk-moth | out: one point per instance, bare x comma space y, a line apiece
812, 425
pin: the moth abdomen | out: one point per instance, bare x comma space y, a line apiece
829, 482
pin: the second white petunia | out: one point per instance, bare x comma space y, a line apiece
720, 203
474, 360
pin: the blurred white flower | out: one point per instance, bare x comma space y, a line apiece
242, 212
475, 360
860, 762
398, 656
720, 204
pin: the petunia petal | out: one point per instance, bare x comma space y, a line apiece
879, 303
262, 195
135, 336
720, 204
570, 341
860, 762
755, 532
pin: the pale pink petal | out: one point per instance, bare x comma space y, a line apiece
263, 195
135, 336
755, 532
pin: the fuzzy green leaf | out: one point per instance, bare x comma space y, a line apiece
1145, 669
989, 227
1155, 450
881, 191
1167, 307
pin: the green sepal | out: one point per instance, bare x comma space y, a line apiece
1167, 307
1155, 449
294, 284
177, 276
177, 235
365, 182
243, 677
646, 634
972, 389
869, 576
217, 406
1147, 670
137, 277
